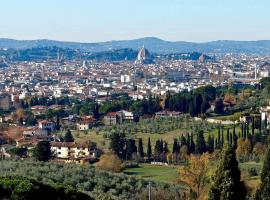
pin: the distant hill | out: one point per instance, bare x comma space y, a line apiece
152, 44
54, 53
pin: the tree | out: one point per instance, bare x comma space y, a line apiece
42, 151
192, 145
263, 190
131, 148
16, 151
244, 148
226, 183
140, 148
194, 174
117, 144
149, 149
109, 162
219, 106
259, 149
176, 147
210, 143
68, 136
200, 146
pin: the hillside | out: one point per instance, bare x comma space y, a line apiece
152, 44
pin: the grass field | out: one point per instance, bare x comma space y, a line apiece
165, 174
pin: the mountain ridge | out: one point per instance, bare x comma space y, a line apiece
153, 44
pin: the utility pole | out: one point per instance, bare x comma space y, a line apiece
149, 191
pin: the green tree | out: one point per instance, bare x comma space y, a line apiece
210, 143
117, 144
149, 149
131, 148
140, 148
200, 146
227, 184
68, 136
42, 151
263, 190
219, 106
176, 147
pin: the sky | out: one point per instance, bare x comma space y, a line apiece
105, 20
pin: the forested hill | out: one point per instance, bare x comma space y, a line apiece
54, 53
151, 43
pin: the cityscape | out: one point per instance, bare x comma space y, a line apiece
135, 100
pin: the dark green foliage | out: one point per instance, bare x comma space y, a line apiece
118, 142
219, 106
200, 143
68, 137
131, 148
149, 149
194, 102
21, 152
20, 188
263, 190
176, 146
191, 148
183, 141
166, 148
210, 143
140, 148
227, 184
42, 151
264, 82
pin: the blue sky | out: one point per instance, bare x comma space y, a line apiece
103, 20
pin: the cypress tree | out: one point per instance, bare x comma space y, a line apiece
192, 144
200, 143
188, 142
219, 139
131, 148
263, 190
176, 147
166, 149
149, 149
231, 140
210, 143
183, 140
245, 131
228, 136
222, 138
118, 142
253, 125
227, 184
140, 148
216, 144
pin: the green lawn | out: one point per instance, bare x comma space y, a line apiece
164, 174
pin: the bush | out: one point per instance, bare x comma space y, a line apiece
109, 162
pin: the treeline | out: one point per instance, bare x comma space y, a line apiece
194, 102
20, 188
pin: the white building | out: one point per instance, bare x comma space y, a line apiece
71, 150
125, 79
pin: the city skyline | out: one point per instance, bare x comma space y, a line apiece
97, 21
